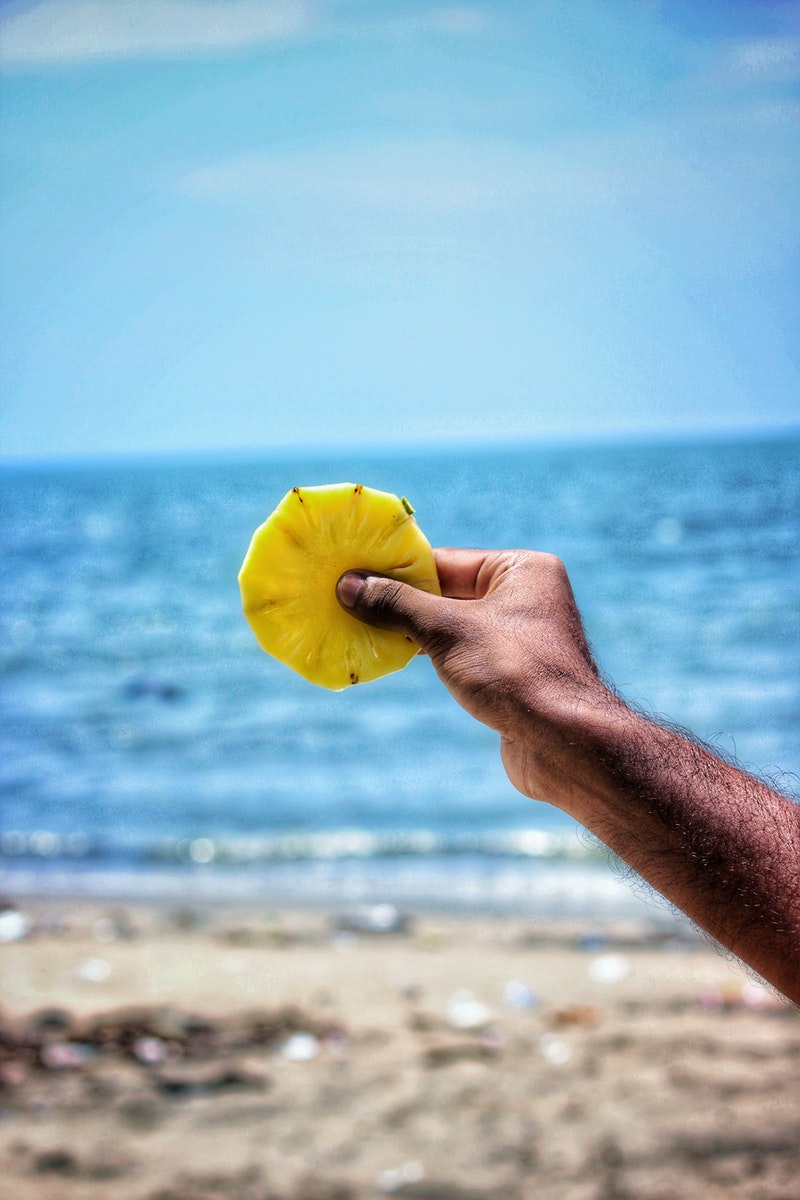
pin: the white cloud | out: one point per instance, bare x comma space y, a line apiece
671, 163
423, 177
69, 31
449, 20
57, 31
460, 19
712, 192
764, 60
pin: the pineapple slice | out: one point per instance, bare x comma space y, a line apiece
289, 575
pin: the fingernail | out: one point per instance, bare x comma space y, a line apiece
348, 587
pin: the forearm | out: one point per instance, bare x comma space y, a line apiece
717, 843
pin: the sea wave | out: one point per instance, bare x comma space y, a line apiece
588, 891
48, 846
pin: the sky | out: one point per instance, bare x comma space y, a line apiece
252, 224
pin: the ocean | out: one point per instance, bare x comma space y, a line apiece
150, 749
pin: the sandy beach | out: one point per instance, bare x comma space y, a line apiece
166, 1054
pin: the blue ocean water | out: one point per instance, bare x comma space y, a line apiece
150, 747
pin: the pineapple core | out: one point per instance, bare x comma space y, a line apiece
289, 575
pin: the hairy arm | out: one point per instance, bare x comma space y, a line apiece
720, 845
507, 640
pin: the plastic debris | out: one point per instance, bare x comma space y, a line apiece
554, 1050
14, 925
395, 1179
64, 1056
373, 919
519, 995
94, 970
466, 1011
150, 1050
608, 968
301, 1047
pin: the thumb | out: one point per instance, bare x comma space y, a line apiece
390, 604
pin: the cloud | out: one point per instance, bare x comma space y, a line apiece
58, 31
666, 161
713, 191
416, 177
455, 20
749, 64
74, 31
773, 59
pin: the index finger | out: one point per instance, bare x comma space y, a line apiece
465, 574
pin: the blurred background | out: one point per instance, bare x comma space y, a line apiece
533, 265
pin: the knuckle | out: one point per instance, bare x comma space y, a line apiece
553, 566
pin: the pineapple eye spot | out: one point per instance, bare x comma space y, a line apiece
296, 491
353, 677
358, 489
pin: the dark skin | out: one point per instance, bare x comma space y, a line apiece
507, 640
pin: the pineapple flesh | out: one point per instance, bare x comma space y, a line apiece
289, 575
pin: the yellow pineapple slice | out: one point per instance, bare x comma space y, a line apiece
289, 575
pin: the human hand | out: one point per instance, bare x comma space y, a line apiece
506, 639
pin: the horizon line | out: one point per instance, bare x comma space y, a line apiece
431, 446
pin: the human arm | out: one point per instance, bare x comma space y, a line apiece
506, 638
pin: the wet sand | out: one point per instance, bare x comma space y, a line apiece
154, 1054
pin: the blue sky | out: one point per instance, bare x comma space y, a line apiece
261, 223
